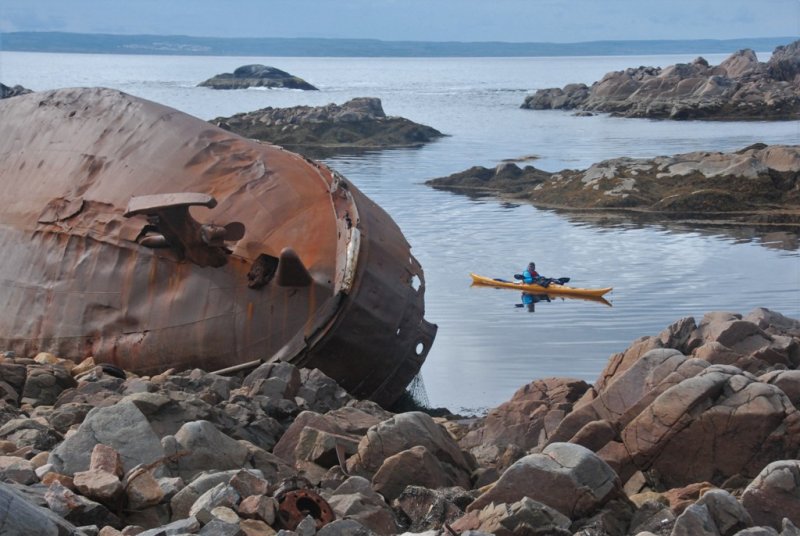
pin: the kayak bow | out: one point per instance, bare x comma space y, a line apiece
552, 288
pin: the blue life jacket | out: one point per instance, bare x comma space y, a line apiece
529, 277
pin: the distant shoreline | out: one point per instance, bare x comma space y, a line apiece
60, 42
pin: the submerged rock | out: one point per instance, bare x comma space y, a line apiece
256, 76
740, 87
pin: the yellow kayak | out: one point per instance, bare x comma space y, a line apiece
552, 288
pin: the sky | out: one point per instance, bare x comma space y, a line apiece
556, 21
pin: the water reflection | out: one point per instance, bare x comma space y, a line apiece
529, 300
783, 237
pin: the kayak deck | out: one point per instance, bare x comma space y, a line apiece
552, 288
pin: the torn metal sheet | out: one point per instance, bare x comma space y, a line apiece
150, 239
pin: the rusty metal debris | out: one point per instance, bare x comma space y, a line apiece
295, 506
150, 239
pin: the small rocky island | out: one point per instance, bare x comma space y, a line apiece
692, 431
757, 185
740, 88
357, 124
12, 91
256, 76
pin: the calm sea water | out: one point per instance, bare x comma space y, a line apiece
487, 347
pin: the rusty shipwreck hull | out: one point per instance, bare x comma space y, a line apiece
150, 239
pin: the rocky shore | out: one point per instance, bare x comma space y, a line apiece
757, 185
740, 88
359, 123
256, 76
693, 431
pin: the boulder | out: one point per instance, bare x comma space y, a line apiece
122, 427
16, 469
787, 381
428, 509
220, 495
344, 527
259, 507
78, 509
520, 518
321, 393
355, 499
775, 494
402, 432
281, 380
565, 476
44, 383
784, 64
413, 467
182, 502
20, 517
527, 420
142, 489
30, 433
734, 425
98, 485
200, 446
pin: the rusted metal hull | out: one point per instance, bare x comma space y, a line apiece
102, 256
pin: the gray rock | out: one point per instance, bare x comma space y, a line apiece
217, 527
696, 520
219, 495
355, 499
122, 427
565, 476
203, 447
728, 514
344, 527
44, 383
19, 517
17, 470
182, 502
402, 432
189, 525
429, 509
774, 494
321, 392
758, 531
30, 432
522, 517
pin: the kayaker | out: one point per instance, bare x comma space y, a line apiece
530, 275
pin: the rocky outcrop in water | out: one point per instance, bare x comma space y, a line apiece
256, 76
691, 431
740, 87
6, 91
759, 184
357, 124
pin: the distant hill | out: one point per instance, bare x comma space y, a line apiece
219, 46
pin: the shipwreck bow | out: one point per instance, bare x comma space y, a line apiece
150, 239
